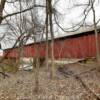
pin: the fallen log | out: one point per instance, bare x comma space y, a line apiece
78, 78
86, 87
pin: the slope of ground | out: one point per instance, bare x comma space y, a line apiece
20, 86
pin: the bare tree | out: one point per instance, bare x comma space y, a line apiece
2, 4
47, 43
95, 30
88, 6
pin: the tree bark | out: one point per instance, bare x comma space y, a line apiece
36, 65
52, 39
47, 45
2, 4
96, 33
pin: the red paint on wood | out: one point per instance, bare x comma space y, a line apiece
76, 47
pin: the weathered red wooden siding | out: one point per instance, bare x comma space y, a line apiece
78, 47
75, 47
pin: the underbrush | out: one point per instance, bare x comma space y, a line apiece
9, 66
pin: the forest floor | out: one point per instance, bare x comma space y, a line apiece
80, 81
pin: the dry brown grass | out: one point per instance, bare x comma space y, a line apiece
20, 86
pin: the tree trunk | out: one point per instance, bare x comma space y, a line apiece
36, 65
52, 40
96, 33
2, 4
47, 45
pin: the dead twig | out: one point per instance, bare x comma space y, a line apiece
4, 75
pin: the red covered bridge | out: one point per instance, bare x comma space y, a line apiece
77, 45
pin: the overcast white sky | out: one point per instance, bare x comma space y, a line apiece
67, 16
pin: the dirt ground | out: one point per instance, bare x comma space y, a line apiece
20, 86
